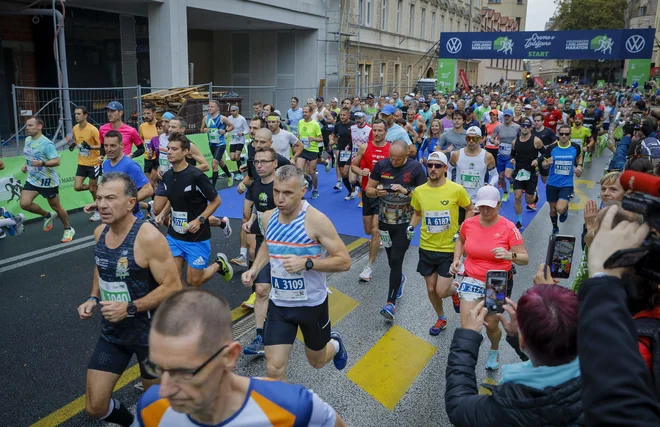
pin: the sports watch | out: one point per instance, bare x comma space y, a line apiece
309, 264
131, 309
201, 219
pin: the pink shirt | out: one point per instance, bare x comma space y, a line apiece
480, 242
129, 136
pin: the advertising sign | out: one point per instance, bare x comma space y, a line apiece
446, 74
638, 71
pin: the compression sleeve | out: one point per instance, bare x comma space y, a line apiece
139, 151
493, 176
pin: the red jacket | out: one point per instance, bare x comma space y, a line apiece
645, 342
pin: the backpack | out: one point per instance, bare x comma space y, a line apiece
651, 147
650, 328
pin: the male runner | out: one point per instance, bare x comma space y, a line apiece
583, 137
41, 158
239, 130
192, 199
504, 134
147, 132
309, 134
396, 132
453, 139
134, 273
216, 127
393, 181
563, 158
294, 115
437, 202
344, 151
327, 122
191, 341
283, 140
547, 137
86, 138
129, 136
366, 158
553, 117
303, 246
525, 153
361, 133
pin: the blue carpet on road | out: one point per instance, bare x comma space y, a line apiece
345, 215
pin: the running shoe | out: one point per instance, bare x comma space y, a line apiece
366, 274
360, 204
19, 227
511, 190
505, 197
315, 194
493, 361
328, 165
227, 229
68, 235
440, 325
531, 207
351, 196
225, 270
555, 230
249, 303
237, 177
337, 186
341, 357
563, 217
519, 225
388, 311
256, 347
48, 222
456, 299
355, 193
240, 260
399, 294
96, 216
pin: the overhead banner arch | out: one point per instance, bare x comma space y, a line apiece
591, 44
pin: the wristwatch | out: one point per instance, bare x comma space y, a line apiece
201, 219
131, 309
513, 256
309, 264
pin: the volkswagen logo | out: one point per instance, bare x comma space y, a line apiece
454, 45
635, 43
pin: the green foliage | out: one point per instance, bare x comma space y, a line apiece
590, 14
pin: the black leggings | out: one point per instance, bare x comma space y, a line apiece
395, 255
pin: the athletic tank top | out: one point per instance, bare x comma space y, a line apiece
359, 136
471, 172
525, 154
301, 289
214, 126
371, 156
163, 164
121, 279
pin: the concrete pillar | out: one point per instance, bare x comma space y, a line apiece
168, 43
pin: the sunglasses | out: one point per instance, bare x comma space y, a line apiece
564, 134
435, 165
475, 138
525, 125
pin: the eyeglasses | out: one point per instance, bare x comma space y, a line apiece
262, 162
180, 374
564, 134
525, 125
435, 165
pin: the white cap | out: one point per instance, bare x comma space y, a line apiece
488, 196
473, 130
528, 106
438, 156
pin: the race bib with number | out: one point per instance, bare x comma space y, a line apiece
179, 221
563, 167
344, 155
214, 136
505, 149
523, 175
288, 286
260, 216
114, 291
577, 141
470, 179
305, 142
437, 221
471, 289
163, 164
385, 238
83, 151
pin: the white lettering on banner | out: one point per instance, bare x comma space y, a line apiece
537, 41
482, 45
577, 44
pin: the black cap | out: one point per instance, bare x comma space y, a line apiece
370, 96
319, 99
469, 110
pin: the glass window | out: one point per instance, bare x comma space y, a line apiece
383, 15
411, 24
422, 25
433, 34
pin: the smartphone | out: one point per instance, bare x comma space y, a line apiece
495, 292
560, 256
387, 187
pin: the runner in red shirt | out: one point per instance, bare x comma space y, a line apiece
553, 117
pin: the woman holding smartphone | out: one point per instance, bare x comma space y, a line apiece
489, 242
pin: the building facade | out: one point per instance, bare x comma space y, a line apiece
498, 70
515, 9
644, 14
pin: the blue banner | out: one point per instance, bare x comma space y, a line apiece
592, 44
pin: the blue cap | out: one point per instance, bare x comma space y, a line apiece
168, 116
115, 105
508, 112
388, 109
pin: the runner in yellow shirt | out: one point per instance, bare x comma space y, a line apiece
437, 203
86, 139
147, 131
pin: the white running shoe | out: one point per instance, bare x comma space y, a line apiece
96, 216
240, 260
227, 228
366, 274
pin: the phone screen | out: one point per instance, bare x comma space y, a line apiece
560, 256
496, 291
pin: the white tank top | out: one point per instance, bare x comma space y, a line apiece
471, 172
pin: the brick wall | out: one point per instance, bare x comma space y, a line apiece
16, 28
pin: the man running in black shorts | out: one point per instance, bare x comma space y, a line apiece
86, 139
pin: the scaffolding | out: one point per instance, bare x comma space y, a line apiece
342, 49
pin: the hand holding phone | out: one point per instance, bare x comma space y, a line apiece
495, 292
560, 256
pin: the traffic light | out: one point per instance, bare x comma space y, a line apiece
528, 75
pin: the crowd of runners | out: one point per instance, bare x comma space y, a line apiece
443, 162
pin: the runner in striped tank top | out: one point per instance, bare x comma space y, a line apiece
301, 246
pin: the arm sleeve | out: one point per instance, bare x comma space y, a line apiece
493, 176
139, 151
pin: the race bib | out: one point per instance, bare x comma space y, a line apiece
305, 142
563, 167
163, 164
470, 179
505, 149
437, 221
523, 175
179, 221
385, 238
344, 155
471, 288
114, 291
83, 151
577, 141
288, 286
260, 216
214, 136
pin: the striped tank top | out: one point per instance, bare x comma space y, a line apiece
303, 288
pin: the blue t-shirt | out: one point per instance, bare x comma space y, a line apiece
132, 169
564, 161
397, 132
41, 149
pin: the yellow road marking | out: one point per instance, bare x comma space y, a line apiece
391, 366
581, 197
355, 244
339, 305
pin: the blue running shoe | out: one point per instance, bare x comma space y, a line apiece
493, 362
399, 294
440, 325
563, 217
388, 311
341, 358
256, 348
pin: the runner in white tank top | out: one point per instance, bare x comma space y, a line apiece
473, 164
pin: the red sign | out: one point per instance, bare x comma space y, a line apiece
464, 79
655, 71
539, 81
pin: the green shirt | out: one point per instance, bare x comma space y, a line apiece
306, 130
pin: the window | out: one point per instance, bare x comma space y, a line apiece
494, 1
442, 23
382, 78
360, 79
383, 15
458, 25
451, 24
422, 25
367, 81
360, 11
466, 27
411, 24
397, 76
399, 5
409, 78
369, 12
520, 2
433, 34
642, 11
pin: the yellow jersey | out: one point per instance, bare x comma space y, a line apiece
90, 135
148, 131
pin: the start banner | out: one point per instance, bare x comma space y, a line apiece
591, 44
